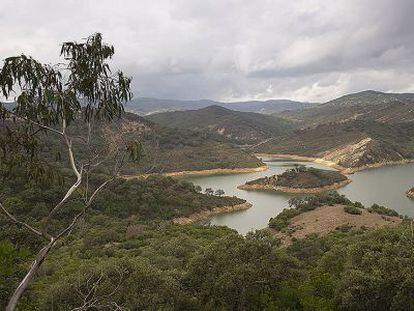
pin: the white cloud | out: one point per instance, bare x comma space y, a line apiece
231, 49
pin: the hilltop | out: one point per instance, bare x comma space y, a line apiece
145, 106
240, 127
328, 212
299, 180
366, 105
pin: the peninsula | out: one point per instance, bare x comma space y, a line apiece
299, 180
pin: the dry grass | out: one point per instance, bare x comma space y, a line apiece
325, 219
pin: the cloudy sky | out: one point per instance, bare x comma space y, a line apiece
311, 50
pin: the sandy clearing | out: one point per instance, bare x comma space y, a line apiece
325, 219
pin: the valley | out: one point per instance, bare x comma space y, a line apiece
223, 155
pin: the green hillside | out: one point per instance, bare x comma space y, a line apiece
165, 149
302, 178
240, 127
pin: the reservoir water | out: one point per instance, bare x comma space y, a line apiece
385, 186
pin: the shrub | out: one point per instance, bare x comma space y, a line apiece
382, 210
352, 209
282, 220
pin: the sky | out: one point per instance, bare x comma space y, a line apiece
229, 50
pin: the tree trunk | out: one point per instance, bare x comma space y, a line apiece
40, 257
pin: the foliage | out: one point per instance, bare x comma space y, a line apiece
157, 198
352, 209
382, 210
11, 259
302, 177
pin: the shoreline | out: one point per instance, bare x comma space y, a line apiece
296, 190
302, 158
342, 169
352, 170
214, 171
203, 215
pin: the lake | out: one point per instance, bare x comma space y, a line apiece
385, 186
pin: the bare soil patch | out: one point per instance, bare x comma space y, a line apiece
325, 219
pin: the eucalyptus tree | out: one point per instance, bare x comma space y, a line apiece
47, 100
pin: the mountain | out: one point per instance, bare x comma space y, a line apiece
353, 144
145, 106
165, 149
370, 97
366, 105
240, 127
172, 150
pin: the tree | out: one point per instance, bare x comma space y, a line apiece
209, 191
80, 91
219, 192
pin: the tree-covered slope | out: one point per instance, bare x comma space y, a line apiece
241, 127
165, 149
301, 177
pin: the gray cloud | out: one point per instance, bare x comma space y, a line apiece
232, 49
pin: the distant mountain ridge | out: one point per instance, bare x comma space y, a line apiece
145, 106
240, 127
366, 105
370, 97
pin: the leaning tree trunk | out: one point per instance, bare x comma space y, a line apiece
40, 257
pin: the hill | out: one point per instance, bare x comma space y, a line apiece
353, 144
322, 214
366, 105
172, 150
241, 127
145, 106
165, 149
299, 180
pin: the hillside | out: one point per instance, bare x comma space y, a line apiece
241, 127
366, 105
145, 106
171, 150
352, 144
164, 149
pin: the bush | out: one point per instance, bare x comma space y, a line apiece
282, 220
382, 210
352, 209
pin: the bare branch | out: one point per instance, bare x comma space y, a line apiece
30, 228
45, 127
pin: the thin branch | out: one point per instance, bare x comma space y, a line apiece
70, 150
45, 127
30, 228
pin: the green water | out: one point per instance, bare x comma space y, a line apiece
385, 186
